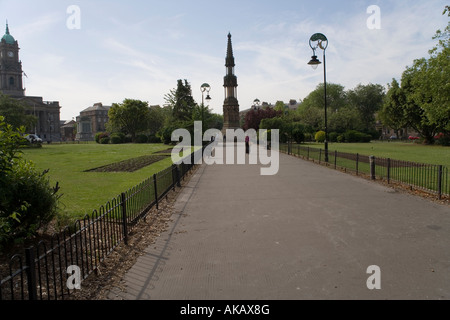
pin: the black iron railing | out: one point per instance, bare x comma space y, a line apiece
430, 178
44, 271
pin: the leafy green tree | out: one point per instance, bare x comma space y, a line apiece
392, 112
312, 117
14, 113
130, 117
336, 97
156, 118
181, 102
367, 100
416, 115
346, 118
280, 106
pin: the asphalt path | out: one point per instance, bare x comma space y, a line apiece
308, 232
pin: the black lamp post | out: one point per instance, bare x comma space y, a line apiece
318, 40
205, 88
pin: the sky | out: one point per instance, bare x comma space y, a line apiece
84, 52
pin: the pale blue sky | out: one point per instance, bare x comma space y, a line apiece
139, 49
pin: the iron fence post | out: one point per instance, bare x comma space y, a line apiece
124, 217
372, 167
389, 170
174, 168
177, 176
440, 182
31, 273
156, 191
335, 159
357, 164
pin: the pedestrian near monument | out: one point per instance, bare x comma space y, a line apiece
247, 144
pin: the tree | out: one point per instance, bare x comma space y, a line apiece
415, 115
14, 113
346, 118
392, 112
130, 117
156, 117
181, 102
253, 118
368, 100
280, 106
336, 97
312, 117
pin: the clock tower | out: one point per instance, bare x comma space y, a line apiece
10, 66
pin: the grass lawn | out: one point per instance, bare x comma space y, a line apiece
425, 177
85, 191
395, 150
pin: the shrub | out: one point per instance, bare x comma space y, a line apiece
153, 139
356, 136
30, 199
100, 135
333, 136
340, 138
116, 138
141, 138
104, 140
320, 136
351, 136
27, 202
442, 139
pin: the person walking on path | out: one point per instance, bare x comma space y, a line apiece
247, 144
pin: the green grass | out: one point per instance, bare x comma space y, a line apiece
424, 177
395, 150
85, 191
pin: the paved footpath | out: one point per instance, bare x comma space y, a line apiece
308, 232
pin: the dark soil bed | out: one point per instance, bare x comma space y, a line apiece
130, 165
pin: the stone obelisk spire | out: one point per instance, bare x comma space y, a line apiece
231, 104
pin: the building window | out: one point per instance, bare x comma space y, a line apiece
86, 127
11, 81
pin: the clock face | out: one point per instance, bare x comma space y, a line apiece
10, 54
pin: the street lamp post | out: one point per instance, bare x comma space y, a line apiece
205, 88
318, 40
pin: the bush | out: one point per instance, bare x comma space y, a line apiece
333, 136
116, 138
320, 136
154, 139
141, 138
340, 138
356, 136
442, 139
27, 202
30, 200
99, 136
104, 140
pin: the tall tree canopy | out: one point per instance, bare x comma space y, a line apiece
14, 113
130, 117
181, 102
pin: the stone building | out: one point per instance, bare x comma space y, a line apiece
68, 131
47, 113
91, 121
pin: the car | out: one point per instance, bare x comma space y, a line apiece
33, 138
